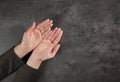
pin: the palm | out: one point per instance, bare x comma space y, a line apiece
31, 40
43, 50
33, 35
46, 49
49, 46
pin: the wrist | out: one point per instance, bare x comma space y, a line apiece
20, 51
34, 62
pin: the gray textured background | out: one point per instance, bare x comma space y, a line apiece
90, 47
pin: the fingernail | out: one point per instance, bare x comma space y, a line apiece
51, 24
59, 28
33, 21
51, 21
48, 19
59, 45
62, 31
48, 28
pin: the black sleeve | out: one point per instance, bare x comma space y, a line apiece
9, 62
26, 74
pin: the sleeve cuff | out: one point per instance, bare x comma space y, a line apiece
15, 57
29, 69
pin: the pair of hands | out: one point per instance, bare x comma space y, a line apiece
42, 40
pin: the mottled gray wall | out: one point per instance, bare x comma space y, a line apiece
90, 50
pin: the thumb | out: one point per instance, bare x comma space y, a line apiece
55, 49
32, 27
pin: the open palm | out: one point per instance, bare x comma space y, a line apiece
32, 37
49, 45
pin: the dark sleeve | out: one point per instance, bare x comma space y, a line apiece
9, 62
26, 74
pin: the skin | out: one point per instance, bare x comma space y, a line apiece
32, 37
46, 49
42, 40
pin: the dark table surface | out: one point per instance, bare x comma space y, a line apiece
90, 46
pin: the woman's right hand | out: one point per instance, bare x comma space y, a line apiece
46, 49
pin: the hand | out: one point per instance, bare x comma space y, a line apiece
46, 49
32, 37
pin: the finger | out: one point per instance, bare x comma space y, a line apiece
45, 29
50, 23
47, 26
58, 38
47, 34
43, 25
54, 31
55, 34
55, 50
32, 27
37, 33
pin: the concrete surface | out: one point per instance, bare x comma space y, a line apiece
90, 47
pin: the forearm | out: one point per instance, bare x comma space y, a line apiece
34, 62
20, 51
9, 62
29, 71
26, 74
